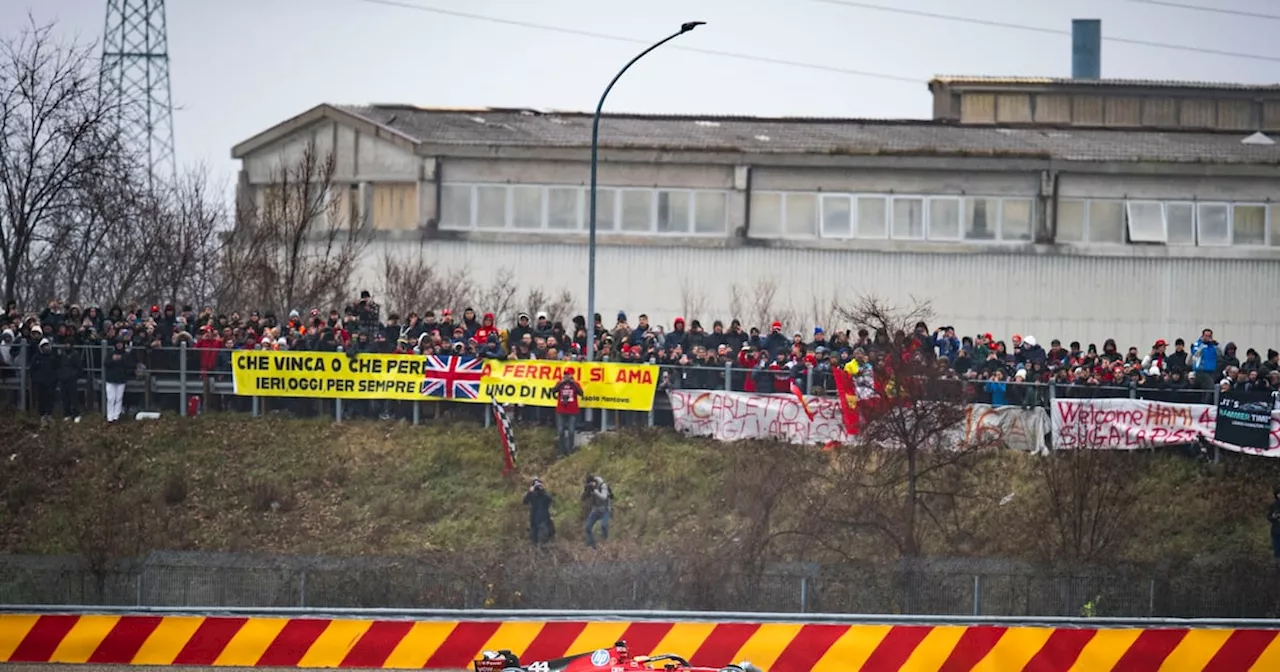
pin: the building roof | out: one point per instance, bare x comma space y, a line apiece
989, 80
504, 127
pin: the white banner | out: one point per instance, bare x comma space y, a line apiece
1132, 424
1012, 426
733, 416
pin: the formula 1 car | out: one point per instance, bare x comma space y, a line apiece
616, 659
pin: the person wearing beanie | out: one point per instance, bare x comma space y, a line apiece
44, 365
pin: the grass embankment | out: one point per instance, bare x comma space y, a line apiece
282, 485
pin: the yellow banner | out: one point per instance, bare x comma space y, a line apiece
334, 375
622, 387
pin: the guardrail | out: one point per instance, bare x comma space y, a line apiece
439, 641
609, 615
169, 388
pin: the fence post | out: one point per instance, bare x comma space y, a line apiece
257, 408
604, 420
22, 377
1217, 399
302, 589
417, 413
1151, 597
106, 352
808, 381
977, 594
488, 421
182, 379
337, 410
728, 376
804, 594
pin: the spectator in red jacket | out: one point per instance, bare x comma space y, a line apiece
567, 392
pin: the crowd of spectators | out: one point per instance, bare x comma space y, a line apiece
725, 356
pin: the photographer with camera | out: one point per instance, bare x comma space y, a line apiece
541, 528
596, 494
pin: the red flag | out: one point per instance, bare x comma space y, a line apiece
795, 389
848, 400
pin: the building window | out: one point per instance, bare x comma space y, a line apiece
526, 207
1015, 219
1249, 224
766, 215
873, 217
800, 215
982, 218
1106, 222
1273, 217
491, 207
637, 210
1146, 221
1180, 219
908, 218
1071, 221
837, 217
606, 209
711, 212
455, 207
673, 211
1213, 222
944, 219
564, 209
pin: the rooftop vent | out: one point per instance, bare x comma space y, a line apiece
1258, 138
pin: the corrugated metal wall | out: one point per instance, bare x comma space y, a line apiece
1088, 299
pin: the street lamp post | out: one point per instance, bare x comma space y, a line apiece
595, 148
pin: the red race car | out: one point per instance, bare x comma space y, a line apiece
616, 659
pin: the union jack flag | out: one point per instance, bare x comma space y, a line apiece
452, 377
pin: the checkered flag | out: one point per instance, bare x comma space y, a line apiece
508, 437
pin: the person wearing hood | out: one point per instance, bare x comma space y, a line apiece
486, 327
8, 350
44, 367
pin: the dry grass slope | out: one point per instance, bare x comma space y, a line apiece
281, 485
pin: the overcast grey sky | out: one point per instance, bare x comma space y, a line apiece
240, 66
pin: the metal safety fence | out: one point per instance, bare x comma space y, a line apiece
944, 586
174, 380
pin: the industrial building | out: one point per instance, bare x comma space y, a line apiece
1073, 208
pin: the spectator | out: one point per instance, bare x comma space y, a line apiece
541, 527
44, 366
599, 498
116, 370
1204, 359
566, 392
70, 369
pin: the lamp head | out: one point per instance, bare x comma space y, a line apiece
690, 25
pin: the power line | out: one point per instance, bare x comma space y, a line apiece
630, 40
1047, 31
1210, 10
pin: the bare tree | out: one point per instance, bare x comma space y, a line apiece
56, 136
1084, 504
906, 460
757, 305
415, 284
692, 301
300, 245
556, 307
498, 296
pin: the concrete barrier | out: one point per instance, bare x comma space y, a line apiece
188, 640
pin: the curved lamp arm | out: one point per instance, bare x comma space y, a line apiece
595, 138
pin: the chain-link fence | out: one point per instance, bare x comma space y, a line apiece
534, 580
